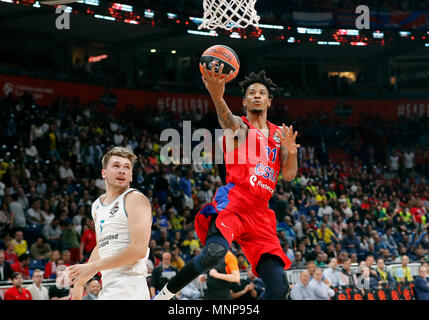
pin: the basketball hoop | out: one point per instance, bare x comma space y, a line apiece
228, 14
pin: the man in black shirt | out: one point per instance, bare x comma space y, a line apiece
249, 288
162, 274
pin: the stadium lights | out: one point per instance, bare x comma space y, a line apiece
153, 50
308, 30
359, 43
348, 32
291, 40
173, 51
171, 15
269, 26
235, 35
426, 44
378, 35
90, 2
204, 33
328, 43
36, 4
262, 38
122, 7
98, 16
404, 34
149, 13
8, 1
97, 58
131, 21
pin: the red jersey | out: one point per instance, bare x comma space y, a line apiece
16, 267
88, 238
255, 164
14, 294
418, 213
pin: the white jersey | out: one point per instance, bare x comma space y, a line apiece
111, 227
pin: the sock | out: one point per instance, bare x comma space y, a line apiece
164, 294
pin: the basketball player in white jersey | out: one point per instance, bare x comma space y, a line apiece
123, 220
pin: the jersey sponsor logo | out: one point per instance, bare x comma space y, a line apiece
101, 226
253, 179
265, 186
114, 209
106, 240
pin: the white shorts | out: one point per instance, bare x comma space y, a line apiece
124, 287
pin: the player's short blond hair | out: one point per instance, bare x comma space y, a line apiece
120, 152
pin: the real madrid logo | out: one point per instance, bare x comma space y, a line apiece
114, 209
276, 137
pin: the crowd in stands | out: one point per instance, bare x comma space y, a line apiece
50, 175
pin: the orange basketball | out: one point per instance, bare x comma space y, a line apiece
221, 54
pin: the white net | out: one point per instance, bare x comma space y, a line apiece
228, 14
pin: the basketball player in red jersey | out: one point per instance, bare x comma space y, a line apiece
239, 211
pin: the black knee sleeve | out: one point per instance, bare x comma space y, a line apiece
210, 256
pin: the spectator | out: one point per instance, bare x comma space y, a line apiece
70, 240
176, 259
162, 274
17, 292
20, 244
190, 243
52, 233
51, 266
40, 250
88, 241
10, 256
332, 274
325, 234
320, 290
348, 278
38, 292
190, 292
93, 288
421, 284
17, 212
350, 243
6, 219
35, 215
22, 266
302, 289
5, 269
403, 273
300, 261
66, 257
382, 275
367, 279
249, 288
65, 171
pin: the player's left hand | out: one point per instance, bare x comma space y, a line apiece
81, 273
287, 139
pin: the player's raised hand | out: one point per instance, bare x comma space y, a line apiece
288, 139
215, 81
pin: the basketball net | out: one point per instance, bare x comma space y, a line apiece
228, 14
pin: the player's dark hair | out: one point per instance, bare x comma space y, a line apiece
258, 78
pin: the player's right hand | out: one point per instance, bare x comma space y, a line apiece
214, 82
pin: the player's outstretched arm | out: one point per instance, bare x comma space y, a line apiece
216, 87
138, 209
288, 152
